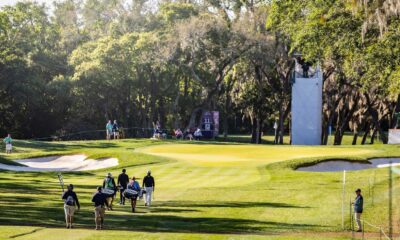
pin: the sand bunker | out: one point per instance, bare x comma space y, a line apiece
341, 165
61, 163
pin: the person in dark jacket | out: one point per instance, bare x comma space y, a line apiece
358, 209
149, 186
70, 201
123, 181
100, 202
115, 129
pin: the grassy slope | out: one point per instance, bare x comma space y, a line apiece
248, 192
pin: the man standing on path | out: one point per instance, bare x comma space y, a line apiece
99, 200
123, 181
358, 209
8, 141
149, 186
70, 201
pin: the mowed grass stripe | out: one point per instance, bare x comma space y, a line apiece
247, 155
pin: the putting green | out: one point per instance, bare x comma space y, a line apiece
244, 155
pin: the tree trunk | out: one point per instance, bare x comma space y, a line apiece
366, 131
253, 130
393, 119
376, 120
341, 127
258, 130
373, 135
283, 114
226, 115
355, 136
225, 127
153, 97
193, 117
326, 130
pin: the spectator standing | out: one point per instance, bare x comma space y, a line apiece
115, 129
109, 130
8, 141
358, 209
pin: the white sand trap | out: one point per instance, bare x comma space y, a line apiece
341, 165
61, 163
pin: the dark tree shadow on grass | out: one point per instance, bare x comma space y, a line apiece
151, 219
53, 217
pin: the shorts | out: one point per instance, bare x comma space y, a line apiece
99, 211
69, 210
8, 147
109, 131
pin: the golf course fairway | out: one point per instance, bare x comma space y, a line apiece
207, 190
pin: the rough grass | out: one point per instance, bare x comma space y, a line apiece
203, 191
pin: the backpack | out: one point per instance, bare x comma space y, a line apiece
109, 183
70, 201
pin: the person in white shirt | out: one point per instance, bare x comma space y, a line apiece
197, 134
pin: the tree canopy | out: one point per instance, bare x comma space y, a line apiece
88, 61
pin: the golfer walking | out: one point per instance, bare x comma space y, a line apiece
358, 209
148, 185
109, 183
70, 201
100, 202
123, 181
134, 185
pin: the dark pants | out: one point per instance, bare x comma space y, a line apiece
121, 195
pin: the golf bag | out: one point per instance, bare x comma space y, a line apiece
108, 192
129, 193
